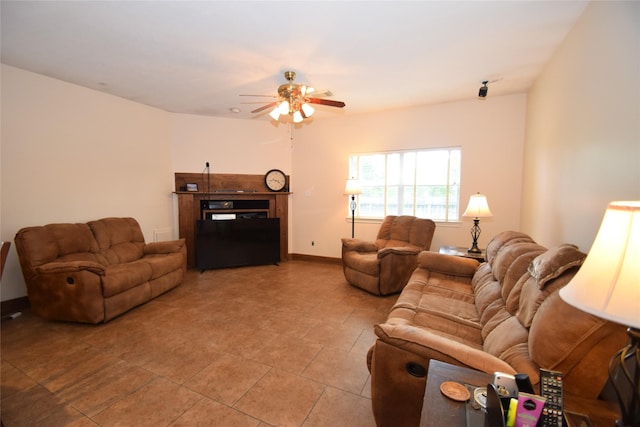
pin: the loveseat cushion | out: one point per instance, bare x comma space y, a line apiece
120, 240
47, 243
163, 264
121, 277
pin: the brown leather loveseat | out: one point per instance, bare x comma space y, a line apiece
503, 315
95, 271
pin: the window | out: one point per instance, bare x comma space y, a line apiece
422, 183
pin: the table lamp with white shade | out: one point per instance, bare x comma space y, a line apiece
608, 286
476, 209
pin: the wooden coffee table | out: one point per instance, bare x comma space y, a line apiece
438, 410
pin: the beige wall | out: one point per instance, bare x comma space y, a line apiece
583, 127
490, 132
70, 154
230, 146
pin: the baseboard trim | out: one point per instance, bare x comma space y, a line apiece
315, 258
14, 305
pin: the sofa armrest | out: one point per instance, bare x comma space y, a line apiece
426, 344
447, 264
70, 267
400, 251
166, 247
68, 291
358, 245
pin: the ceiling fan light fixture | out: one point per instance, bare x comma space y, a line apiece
307, 110
295, 100
284, 107
275, 113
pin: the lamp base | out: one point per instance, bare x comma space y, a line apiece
474, 249
625, 378
475, 233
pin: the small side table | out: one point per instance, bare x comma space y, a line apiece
462, 252
438, 410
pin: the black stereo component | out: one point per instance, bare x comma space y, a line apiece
233, 204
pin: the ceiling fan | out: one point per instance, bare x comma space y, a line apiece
295, 99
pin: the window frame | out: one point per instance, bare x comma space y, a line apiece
452, 184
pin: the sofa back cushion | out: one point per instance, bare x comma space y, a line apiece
43, 244
120, 240
547, 273
501, 239
509, 254
405, 231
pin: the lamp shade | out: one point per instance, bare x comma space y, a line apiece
477, 207
352, 187
608, 283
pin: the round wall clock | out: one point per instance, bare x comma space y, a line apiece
275, 180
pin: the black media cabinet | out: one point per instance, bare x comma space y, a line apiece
237, 242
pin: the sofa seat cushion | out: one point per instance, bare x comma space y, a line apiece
121, 277
163, 264
445, 310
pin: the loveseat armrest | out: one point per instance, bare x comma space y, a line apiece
448, 264
427, 345
56, 267
358, 245
166, 247
68, 291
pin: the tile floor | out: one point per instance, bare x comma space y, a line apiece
255, 346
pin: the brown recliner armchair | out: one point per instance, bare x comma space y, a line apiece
383, 267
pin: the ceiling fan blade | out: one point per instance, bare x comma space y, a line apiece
315, 93
253, 102
328, 102
267, 96
264, 107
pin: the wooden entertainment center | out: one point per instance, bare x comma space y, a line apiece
245, 191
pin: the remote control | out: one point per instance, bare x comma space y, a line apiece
551, 388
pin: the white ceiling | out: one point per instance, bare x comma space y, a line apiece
197, 57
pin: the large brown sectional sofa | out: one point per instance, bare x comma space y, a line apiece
503, 315
96, 271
